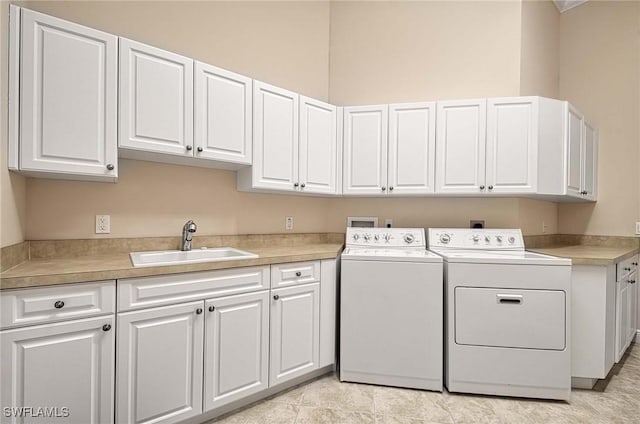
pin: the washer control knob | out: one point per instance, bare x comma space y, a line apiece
487, 239
366, 237
387, 237
475, 238
409, 238
445, 238
356, 236
376, 237
499, 239
512, 239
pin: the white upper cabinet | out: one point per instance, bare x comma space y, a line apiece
223, 112
575, 124
67, 81
318, 148
460, 146
275, 149
512, 145
156, 100
590, 172
296, 147
412, 148
365, 150
581, 167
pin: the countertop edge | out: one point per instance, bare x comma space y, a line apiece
42, 280
586, 260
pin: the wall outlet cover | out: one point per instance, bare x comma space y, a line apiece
288, 223
103, 224
388, 223
638, 228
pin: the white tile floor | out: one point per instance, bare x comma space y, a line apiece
328, 401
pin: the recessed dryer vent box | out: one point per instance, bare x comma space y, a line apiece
362, 221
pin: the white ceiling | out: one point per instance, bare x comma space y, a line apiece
564, 5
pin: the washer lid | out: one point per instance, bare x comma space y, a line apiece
500, 257
396, 255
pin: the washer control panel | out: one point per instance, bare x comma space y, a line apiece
386, 237
476, 239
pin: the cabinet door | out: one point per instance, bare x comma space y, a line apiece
223, 112
365, 150
512, 145
590, 162
295, 332
159, 364
156, 99
412, 148
275, 141
64, 365
622, 317
67, 98
318, 146
633, 306
460, 146
575, 157
236, 348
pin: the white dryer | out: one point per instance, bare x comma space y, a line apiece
507, 321
391, 309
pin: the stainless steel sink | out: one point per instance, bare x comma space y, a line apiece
177, 257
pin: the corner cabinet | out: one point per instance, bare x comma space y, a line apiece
63, 92
295, 144
626, 304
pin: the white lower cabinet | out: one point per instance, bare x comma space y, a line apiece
295, 332
236, 348
67, 367
160, 364
626, 305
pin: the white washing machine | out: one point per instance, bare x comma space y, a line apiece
507, 322
391, 309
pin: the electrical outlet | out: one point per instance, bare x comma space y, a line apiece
288, 223
545, 227
103, 224
638, 228
388, 223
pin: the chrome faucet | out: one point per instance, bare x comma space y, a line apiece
187, 234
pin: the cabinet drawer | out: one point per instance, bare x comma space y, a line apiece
55, 303
529, 319
146, 292
284, 275
627, 266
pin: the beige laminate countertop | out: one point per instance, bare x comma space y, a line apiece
44, 272
589, 255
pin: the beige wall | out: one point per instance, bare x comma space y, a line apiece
599, 73
384, 52
153, 199
12, 186
539, 61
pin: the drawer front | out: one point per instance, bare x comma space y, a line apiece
56, 303
146, 292
285, 275
626, 267
529, 319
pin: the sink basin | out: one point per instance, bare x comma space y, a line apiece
178, 257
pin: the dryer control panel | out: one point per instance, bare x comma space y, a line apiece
392, 238
476, 238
